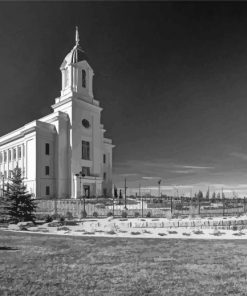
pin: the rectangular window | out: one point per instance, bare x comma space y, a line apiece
85, 171
104, 176
5, 156
47, 149
9, 152
14, 154
47, 190
5, 174
104, 158
47, 170
83, 78
9, 174
19, 152
1, 157
85, 150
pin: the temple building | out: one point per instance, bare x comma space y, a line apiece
64, 154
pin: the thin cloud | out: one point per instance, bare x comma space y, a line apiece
198, 167
239, 155
151, 178
194, 167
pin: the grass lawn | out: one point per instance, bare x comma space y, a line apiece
33, 264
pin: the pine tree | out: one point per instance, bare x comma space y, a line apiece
207, 194
19, 203
115, 192
200, 195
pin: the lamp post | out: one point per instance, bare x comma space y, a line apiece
159, 182
125, 189
80, 175
2, 177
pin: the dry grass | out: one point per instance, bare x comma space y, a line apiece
42, 265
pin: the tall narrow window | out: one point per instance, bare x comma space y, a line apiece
1, 157
47, 190
85, 150
47, 170
14, 154
4, 156
9, 154
104, 158
83, 78
47, 148
19, 152
104, 176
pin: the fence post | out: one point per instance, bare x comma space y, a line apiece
113, 206
55, 207
142, 205
84, 206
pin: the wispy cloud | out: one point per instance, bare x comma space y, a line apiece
151, 178
195, 167
191, 169
239, 155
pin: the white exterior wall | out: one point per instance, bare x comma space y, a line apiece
45, 135
27, 162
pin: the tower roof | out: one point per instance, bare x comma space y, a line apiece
77, 54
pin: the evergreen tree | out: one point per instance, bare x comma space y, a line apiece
207, 194
115, 192
213, 196
200, 195
19, 204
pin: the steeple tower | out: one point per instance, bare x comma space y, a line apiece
77, 75
77, 38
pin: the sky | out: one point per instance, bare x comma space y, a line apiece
171, 78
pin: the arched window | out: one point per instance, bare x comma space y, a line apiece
83, 78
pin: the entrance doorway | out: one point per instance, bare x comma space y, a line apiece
86, 189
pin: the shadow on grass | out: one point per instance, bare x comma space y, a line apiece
8, 249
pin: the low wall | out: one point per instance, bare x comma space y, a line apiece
229, 223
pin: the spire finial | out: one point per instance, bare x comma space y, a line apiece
77, 38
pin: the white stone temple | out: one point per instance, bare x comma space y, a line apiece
64, 154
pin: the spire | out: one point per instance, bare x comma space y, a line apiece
77, 38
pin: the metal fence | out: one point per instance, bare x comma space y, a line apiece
140, 207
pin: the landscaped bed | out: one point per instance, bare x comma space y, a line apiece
145, 228
40, 265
